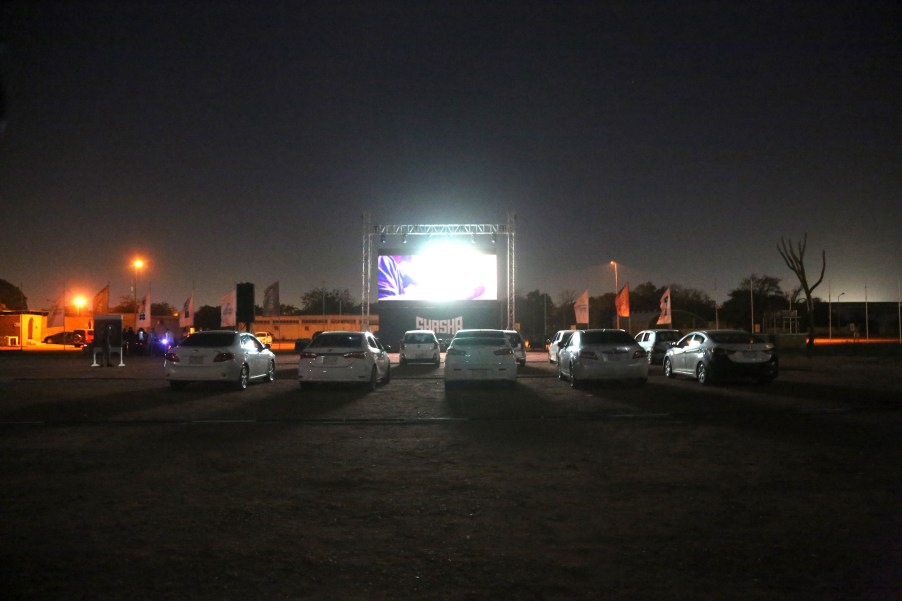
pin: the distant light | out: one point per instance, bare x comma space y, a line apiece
79, 301
138, 264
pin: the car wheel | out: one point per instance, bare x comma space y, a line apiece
573, 381
177, 384
703, 374
271, 372
560, 373
668, 367
374, 380
243, 378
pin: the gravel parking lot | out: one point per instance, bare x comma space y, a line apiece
117, 487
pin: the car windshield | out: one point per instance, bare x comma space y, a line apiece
419, 338
668, 336
210, 339
607, 337
339, 340
735, 338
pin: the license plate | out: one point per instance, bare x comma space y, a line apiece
749, 354
195, 360
330, 360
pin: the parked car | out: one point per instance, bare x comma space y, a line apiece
64, 338
300, 344
87, 336
656, 343
710, 355
513, 336
420, 345
264, 337
602, 355
480, 355
558, 342
349, 357
219, 355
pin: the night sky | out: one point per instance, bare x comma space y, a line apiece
227, 142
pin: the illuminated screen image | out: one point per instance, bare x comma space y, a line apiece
440, 272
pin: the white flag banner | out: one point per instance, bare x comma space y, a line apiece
271, 300
57, 316
144, 313
581, 308
186, 317
665, 318
228, 309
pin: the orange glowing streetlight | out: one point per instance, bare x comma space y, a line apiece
616, 290
79, 302
137, 264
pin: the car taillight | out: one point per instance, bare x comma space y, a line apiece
308, 355
223, 357
355, 355
171, 357
455, 352
504, 351
584, 354
639, 354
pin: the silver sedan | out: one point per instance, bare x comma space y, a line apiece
708, 355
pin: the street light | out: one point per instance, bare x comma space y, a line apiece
616, 290
830, 311
79, 302
137, 264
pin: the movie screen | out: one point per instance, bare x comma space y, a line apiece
442, 272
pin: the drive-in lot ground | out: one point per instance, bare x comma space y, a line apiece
115, 487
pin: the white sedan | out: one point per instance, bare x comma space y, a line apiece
480, 355
219, 355
602, 355
349, 357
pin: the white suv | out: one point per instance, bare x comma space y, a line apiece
420, 345
656, 343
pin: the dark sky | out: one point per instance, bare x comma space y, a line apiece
228, 142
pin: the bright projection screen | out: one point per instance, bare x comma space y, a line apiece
437, 272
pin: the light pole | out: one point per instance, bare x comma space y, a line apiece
616, 290
137, 264
830, 310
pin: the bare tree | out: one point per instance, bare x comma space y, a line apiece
794, 256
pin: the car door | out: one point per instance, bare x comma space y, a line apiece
565, 356
253, 350
691, 354
678, 357
380, 356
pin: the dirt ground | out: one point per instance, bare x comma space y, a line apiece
115, 487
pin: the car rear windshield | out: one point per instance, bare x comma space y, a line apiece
419, 339
210, 339
514, 339
481, 341
339, 340
735, 338
607, 337
480, 334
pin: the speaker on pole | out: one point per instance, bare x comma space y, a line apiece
244, 312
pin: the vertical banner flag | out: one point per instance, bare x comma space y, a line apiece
228, 309
622, 301
102, 301
57, 316
271, 300
186, 317
144, 313
665, 317
581, 308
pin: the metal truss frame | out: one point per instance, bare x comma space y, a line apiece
383, 231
